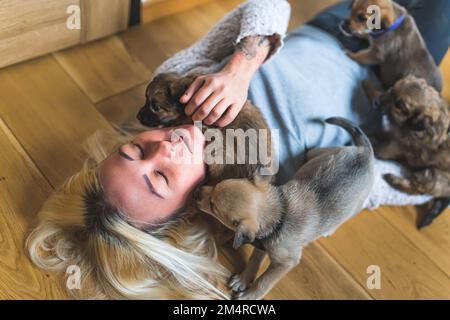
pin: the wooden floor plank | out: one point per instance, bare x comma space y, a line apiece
406, 273
433, 241
229, 5
22, 191
163, 38
318, 276
445, 68
103, 68
123, 107
49, 115
159, 9
167, 36
48, 109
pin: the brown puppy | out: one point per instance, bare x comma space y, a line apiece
279, 221
418, 137
398, 48
418, 132
162, 107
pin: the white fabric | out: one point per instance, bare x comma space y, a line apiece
252, 18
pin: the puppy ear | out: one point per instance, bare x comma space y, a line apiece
178, 87
158, 80
242, 236
351, 4
261, 182
201, 197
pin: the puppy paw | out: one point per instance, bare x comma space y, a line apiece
351, 54
424, 181
239, 282
426, 175
246, 295
414, 186
397, 182
372, 94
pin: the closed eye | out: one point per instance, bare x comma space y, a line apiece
399, 104
141, 150
160, 173
362, 17
155, 105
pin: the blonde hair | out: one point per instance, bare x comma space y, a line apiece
177, 260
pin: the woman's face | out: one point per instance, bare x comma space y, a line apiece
152, 176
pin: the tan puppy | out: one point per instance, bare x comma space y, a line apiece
398, 48
329, 189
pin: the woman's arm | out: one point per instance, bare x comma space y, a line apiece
252, 18
218, 98
230, 54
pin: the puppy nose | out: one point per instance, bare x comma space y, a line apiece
141, 114
344, 27
146, 118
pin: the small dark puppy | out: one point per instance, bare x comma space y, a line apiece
162, 107
398, 48
418, 137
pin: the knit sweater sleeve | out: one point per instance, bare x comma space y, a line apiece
252, 18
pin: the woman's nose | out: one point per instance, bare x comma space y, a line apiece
160, 149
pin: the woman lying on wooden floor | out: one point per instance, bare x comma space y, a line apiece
120, 218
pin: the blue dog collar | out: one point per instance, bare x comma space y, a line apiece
397, 23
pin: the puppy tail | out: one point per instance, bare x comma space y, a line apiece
359, 137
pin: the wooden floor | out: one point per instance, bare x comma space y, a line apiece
50, 104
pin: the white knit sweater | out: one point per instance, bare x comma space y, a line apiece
267, 18
253, 17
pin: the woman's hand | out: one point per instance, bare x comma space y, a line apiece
218, 98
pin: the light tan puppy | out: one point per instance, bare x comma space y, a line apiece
329, 189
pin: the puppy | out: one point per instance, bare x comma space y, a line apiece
398, 48
418, 137
279, 221
162, 107
162, 103
418, 132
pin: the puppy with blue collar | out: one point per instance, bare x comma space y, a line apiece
397, 47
